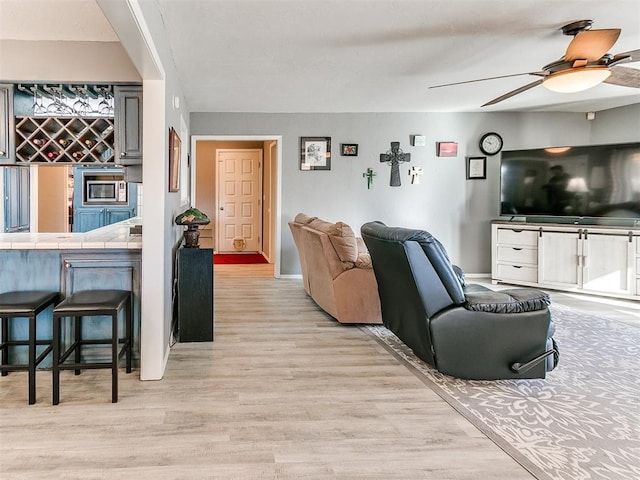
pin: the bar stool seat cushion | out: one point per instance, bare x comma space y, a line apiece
92, 302
16, 303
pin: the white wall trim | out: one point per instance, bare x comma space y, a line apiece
154, 346
278, 179
138, 16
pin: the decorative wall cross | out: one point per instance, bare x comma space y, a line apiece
416, 173
395, 157
369, 174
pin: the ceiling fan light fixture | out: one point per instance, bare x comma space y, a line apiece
557, 150
576, 79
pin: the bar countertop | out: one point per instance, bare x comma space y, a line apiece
116, 235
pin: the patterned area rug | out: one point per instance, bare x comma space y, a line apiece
581, 422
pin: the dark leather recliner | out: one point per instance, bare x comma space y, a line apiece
467, 331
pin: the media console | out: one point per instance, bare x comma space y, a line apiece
576, 258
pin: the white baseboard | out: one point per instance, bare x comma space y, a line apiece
477, 275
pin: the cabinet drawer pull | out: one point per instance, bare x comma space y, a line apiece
516, 266
123, 154
517, 249
2, 154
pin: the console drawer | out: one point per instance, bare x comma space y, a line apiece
510, 236
517, 272
518, 255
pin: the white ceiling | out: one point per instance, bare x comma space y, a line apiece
356, 55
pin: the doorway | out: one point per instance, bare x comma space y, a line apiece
205, 189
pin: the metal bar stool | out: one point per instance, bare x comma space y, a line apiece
90, 303
24, 305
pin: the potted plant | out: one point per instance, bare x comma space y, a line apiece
192, 218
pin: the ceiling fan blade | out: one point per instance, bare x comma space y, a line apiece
542, 74
624, 57
514, 92
591, 44
624, 76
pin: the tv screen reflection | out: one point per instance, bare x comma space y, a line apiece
589, 181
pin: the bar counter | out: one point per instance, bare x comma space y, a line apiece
116, 235
106, 258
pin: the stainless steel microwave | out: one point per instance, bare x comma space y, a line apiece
105, 191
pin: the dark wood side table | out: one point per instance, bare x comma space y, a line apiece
195, 294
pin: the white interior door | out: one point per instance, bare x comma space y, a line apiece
239, 190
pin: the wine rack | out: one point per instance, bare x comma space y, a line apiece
65, 140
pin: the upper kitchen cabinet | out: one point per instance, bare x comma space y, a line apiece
128, 124
7, 139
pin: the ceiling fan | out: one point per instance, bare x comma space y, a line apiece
584, 65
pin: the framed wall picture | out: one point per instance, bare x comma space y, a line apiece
349, 149
476, 168
315, 153
447, 149
174, 160
418, 140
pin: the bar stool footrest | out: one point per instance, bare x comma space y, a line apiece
85, 366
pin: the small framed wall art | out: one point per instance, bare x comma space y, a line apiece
174, 160
349, 149
476, 168
418, 140
315, 153
447, 149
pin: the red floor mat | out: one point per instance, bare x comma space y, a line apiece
238, 258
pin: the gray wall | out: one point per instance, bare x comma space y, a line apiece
456, 210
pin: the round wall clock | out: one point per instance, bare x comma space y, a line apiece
491, 143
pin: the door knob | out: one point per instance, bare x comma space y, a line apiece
123, 154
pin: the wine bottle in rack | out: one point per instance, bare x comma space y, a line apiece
63, 142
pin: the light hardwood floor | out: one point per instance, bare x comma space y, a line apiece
283, 392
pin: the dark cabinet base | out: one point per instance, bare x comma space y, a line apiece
195, 294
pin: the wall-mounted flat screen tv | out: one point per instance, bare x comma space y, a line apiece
583, 181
